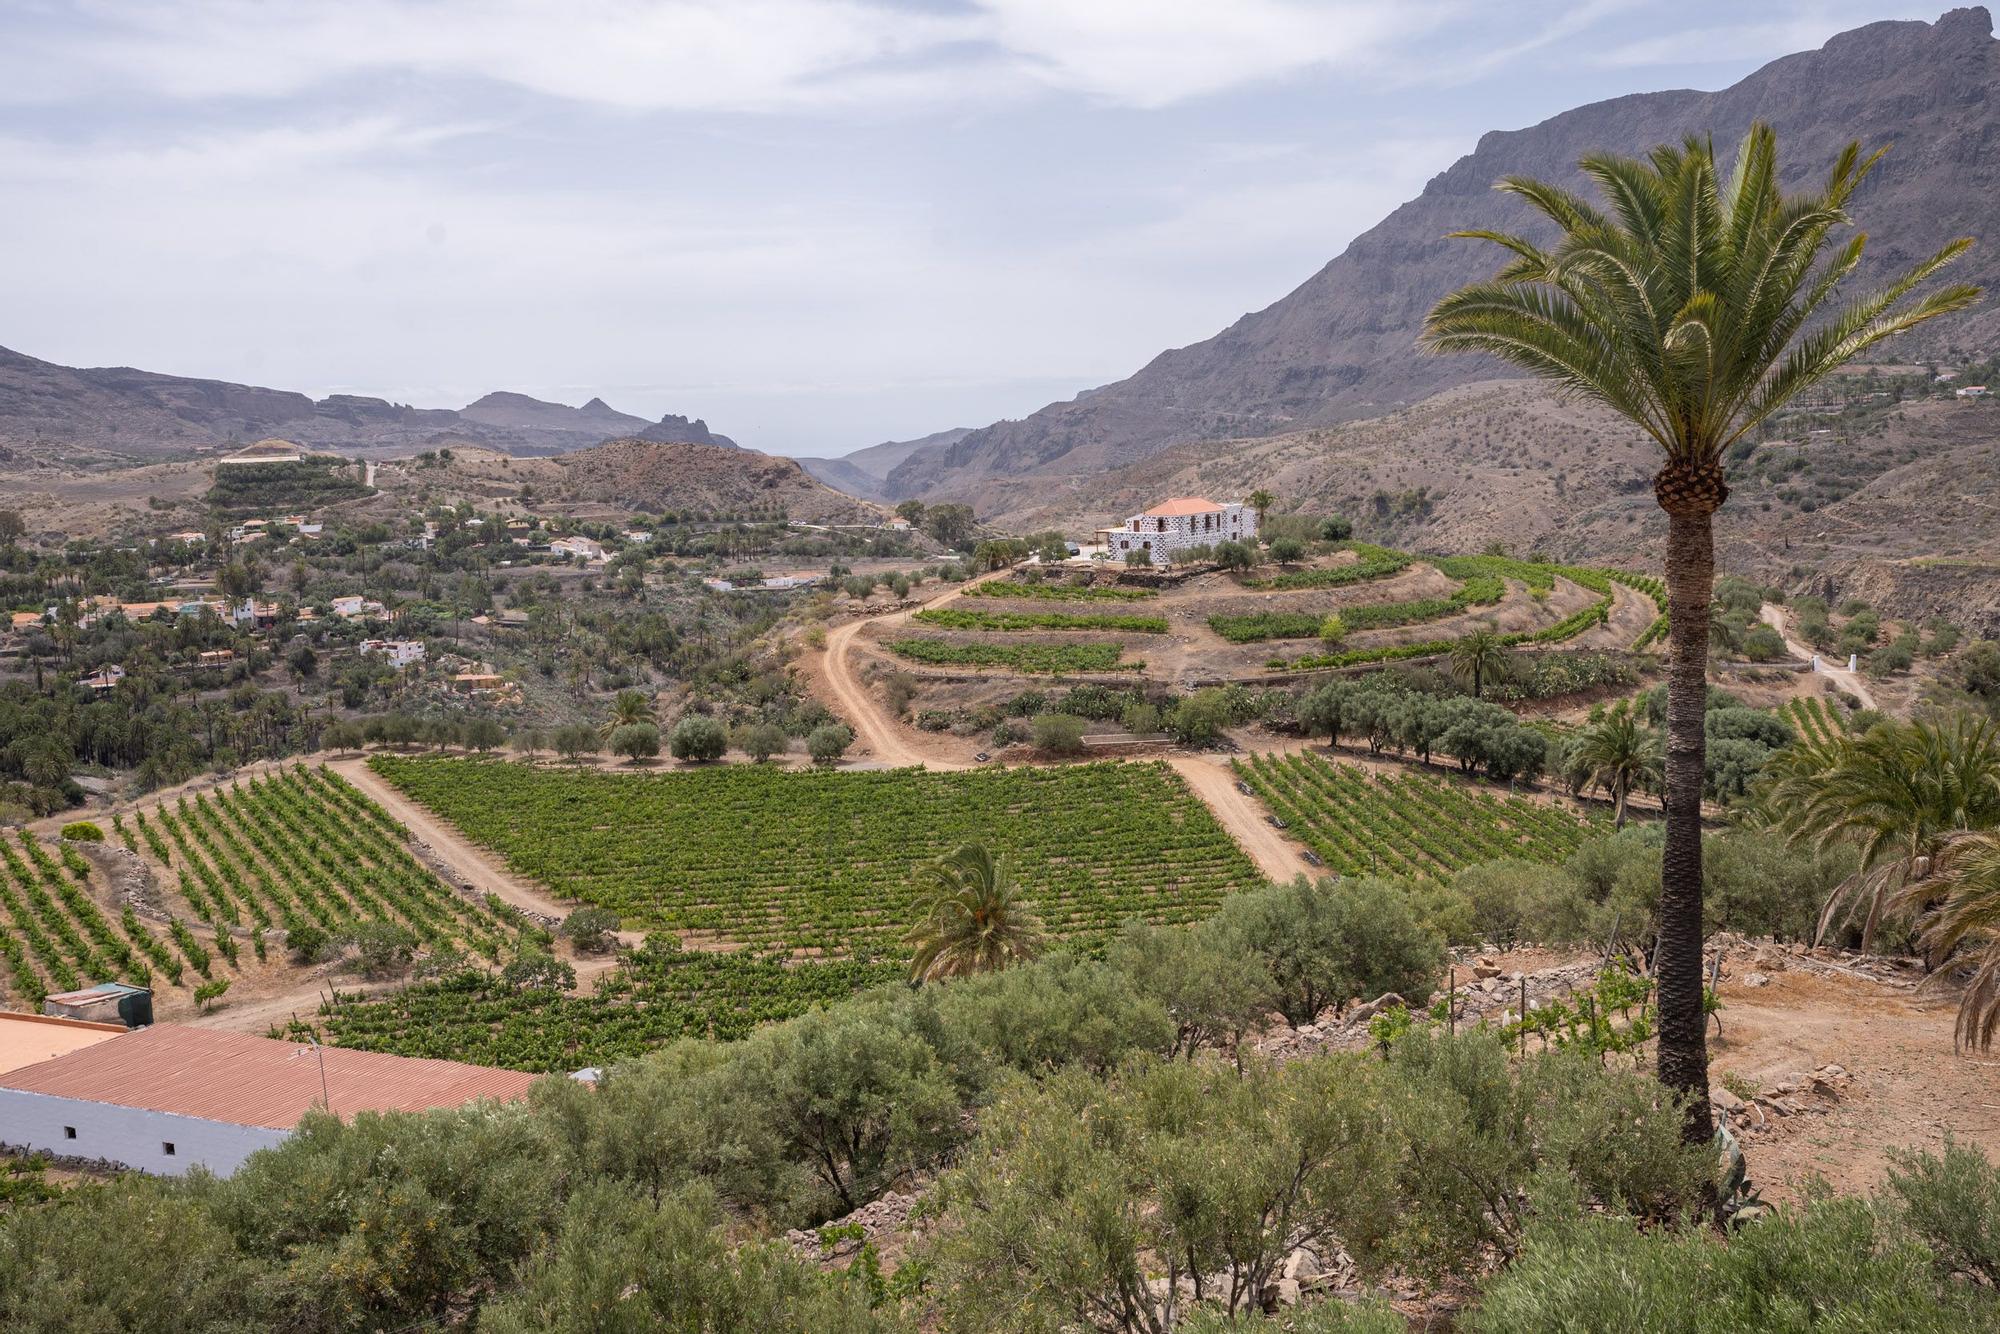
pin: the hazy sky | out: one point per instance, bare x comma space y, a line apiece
816, 223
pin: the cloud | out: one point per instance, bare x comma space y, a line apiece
714, 55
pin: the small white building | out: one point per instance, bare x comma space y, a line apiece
1972, 391
166, 1099
352, 605
1180, 523
578, 546
401, 653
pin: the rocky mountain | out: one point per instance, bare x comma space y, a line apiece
1342, 345
674, 429
864, 472
51, 412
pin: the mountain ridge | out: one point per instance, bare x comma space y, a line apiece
1341, 345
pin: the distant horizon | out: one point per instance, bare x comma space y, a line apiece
816, 225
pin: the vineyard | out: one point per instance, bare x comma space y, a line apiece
1813, 720
1406, 824
819, 861
657, 993
54, 937
952, 618
1016, 657
304, 848
1477, 591
1058, 592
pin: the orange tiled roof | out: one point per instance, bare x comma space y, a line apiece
251, 1081
1183, 505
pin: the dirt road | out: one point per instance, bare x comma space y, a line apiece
1212, 781
1851, 682
477, 867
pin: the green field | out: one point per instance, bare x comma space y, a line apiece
658, 993
953, 618
821, 861
1408, 824
1050, 658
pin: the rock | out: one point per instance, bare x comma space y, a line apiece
1302, 1264
1483, 971
1756, 980
1361, 1014
1721, 1098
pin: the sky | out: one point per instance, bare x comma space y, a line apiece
817, 224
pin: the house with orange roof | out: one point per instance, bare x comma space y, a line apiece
1177, 524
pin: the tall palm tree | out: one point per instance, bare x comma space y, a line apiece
974, 918
627, 706
1900, 793
1966, 921
1618, 753
1697, 306
1478, 657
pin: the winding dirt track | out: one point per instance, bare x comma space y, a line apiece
485, 872
1851, 682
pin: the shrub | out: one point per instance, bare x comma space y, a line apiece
82, 831
1198, 719
636, 741
699, 738
1953, 1203
1761, 643
828, 742
382, 949
1059, 733
537, 970
1288, 550
1140, 718
760, 741
589, 929
307, 942
1330, 941
574, 741
1335, 529
1332, 630
1235, 556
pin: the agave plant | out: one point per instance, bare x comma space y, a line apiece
974, 918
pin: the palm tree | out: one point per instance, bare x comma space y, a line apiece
1967, 921
1900, 793
974, 918
1261, 501
627, 707
1696, 307
1618, 753
1479, 656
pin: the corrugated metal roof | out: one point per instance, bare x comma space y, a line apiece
1182, 505
35, 1039
253, 1081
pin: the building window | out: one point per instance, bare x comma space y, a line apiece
69, 1132
167, 1147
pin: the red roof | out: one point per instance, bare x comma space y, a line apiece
253, 1081
1182, 505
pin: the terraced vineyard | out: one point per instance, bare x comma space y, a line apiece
304, 847
1476, 591
821, 861
1051, 658
1405, 824
1050, 591
1813, 720
54, 936
656, 994
952, 618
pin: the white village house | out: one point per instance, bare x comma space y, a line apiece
1177, 524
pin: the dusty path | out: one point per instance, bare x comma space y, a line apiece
1851, 682
1212, 781
477, 867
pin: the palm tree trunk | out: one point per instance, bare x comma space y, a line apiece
1683, 1055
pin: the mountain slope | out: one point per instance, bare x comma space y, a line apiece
47, 410
701, 478
863, 472
1342, 345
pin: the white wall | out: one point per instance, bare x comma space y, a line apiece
128, 1135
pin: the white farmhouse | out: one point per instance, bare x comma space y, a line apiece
1180, 523
401, 653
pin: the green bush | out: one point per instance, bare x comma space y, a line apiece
1952, 1202
590, 928
82, 831
699, 738
1058, 733
828, 742
637, 741
1330, 941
